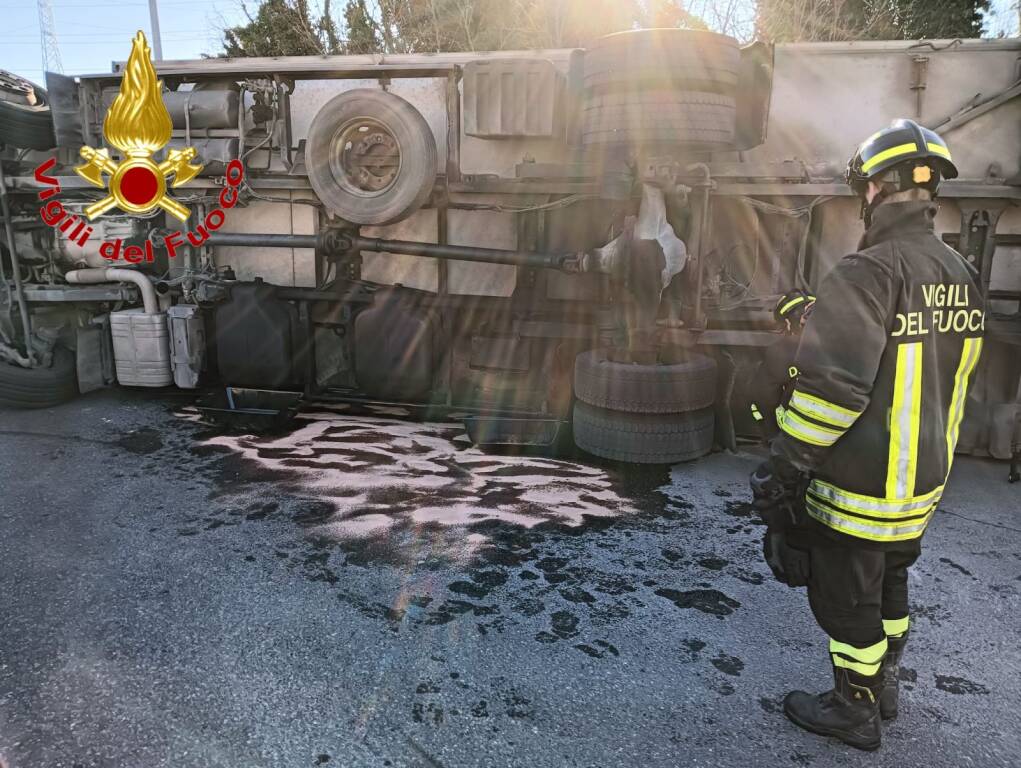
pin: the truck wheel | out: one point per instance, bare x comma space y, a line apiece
672, 58
25, 120
687, 385
660, 117
371, 157
39, 387
643, 438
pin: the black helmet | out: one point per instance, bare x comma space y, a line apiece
919, 155
793, 307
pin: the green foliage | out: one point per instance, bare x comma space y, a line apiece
291, 28
934, 19
827, 20
283, 28
361, 32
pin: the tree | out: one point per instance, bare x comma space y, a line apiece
361, 32
290, 27
936, 19
283, 28
827, 20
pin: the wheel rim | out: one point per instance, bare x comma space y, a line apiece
365, 157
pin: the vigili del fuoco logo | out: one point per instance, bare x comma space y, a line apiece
138, 124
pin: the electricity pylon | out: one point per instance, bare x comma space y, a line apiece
48, 35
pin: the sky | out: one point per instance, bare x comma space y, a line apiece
90, 35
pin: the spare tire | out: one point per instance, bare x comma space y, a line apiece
643, 438
25, 120
371, 157
39, 387
671, 58
687, 385
692, 118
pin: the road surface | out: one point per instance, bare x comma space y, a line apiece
368, 591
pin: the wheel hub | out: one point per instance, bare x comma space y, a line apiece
366, 157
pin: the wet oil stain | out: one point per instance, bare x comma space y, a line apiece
955, 566
770, 706
936, 614
140, 442
692, 648
522, 538
728, 665
713, 563
601, 649
427, 712
710, 601
960, 685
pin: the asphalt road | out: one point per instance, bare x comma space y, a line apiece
372, 592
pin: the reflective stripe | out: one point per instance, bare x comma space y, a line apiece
791, 305
824, 411
865, 661
939, 149
874, 530
905, 420
969, 357
755, 412
896, 627
886, 154
872, 506
813, 434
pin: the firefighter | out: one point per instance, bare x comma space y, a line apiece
778, 371
868, 435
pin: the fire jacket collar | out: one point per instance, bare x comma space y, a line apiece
893, 219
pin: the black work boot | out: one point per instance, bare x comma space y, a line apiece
891, 676
850, 712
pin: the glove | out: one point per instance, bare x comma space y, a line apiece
790, 565
777, 487
776, 490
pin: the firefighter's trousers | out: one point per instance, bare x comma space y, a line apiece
860, 598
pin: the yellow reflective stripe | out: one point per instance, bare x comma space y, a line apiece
886, 154
823, 410
905, 420
939, 149
865, 661
889, 512
869, 670
791, 305
873, 530
873, 654
896, 627
872, 505
813, 434
756, 414
969, 357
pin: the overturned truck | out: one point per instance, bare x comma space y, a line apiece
585, 242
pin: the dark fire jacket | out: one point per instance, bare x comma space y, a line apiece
883, 372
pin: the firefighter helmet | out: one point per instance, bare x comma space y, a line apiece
793, 308
919, 156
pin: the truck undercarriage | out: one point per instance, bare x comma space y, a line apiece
594, 238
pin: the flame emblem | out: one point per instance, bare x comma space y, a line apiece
139, 125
